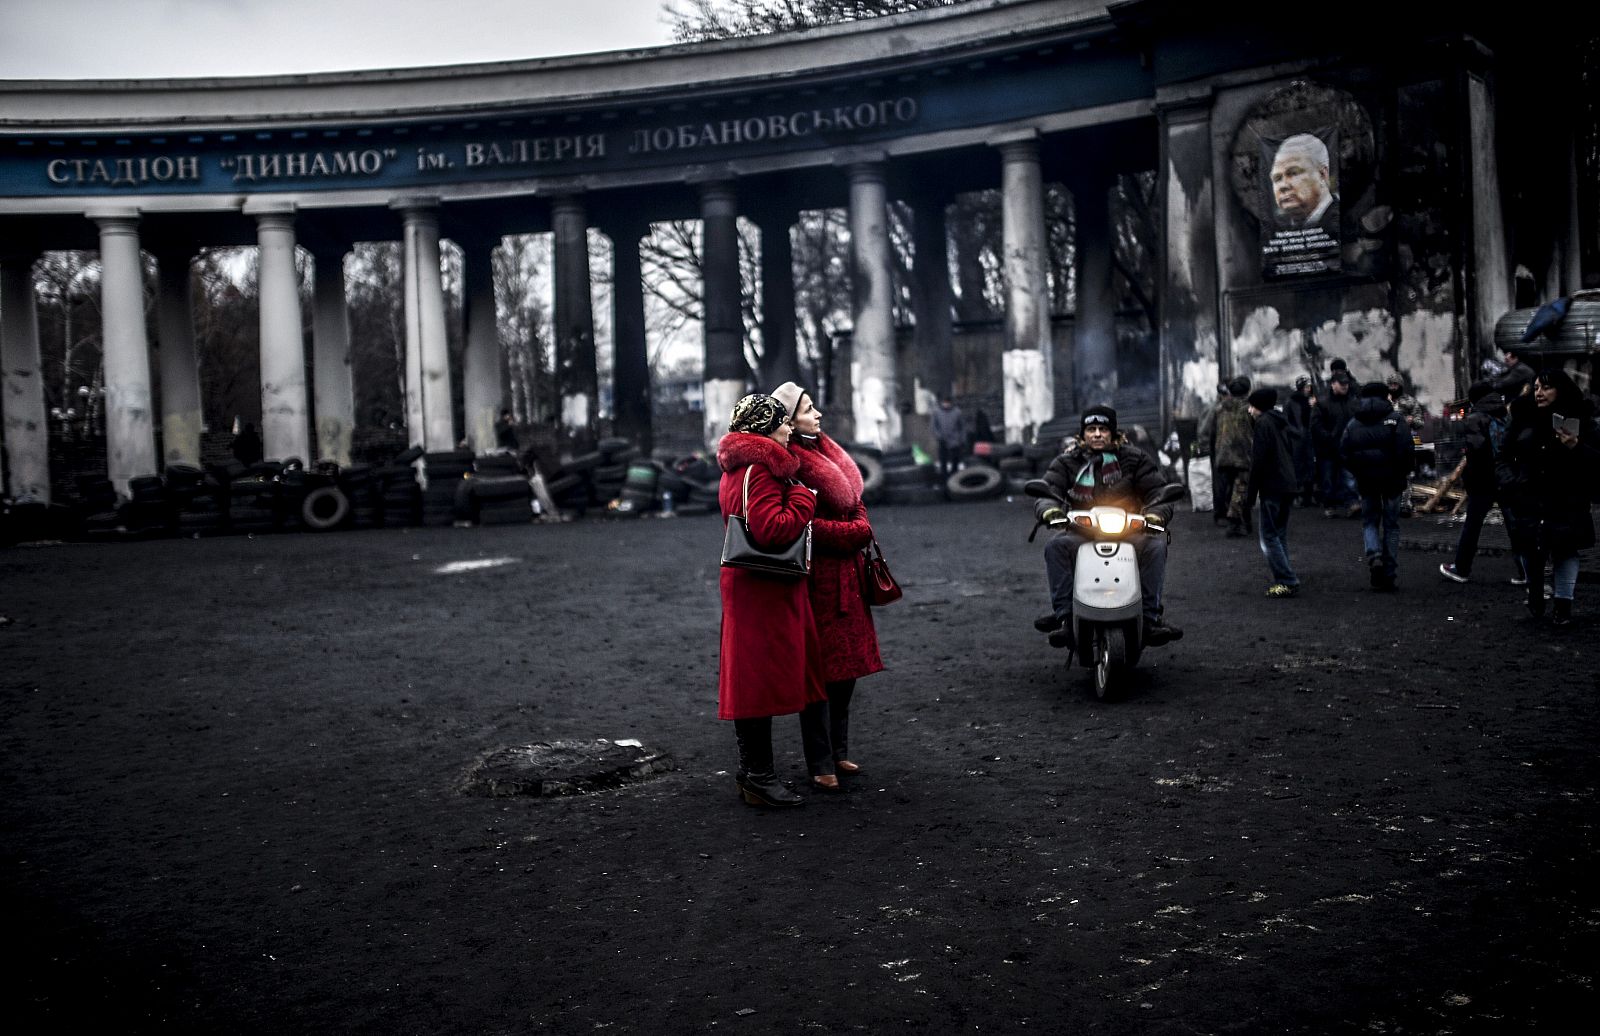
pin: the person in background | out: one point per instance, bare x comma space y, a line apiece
505, 433
949, 427
848, 638
1483, 431
1376, 448
247, 446
1513, 382
1301, 413
1548, 475
1333, 415
771, 656
1273, 480
1230, 463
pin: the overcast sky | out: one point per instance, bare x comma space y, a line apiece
120, 39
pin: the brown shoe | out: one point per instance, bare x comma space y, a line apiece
846, 766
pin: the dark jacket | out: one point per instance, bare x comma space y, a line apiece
1545, 485
1479, 431
1083, 478
1377, 448
1334, 413
1514, 380
1232, 447
1272, 451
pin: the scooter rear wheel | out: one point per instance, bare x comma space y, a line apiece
1110, 662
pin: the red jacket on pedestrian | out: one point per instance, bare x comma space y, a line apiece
771, 661
841, 529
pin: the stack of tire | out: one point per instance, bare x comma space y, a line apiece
870, 460
98, 510
443, 472
906, 480
253, 499
606, 478
361, 486
695, 483
199, 502
640, 488
148, 510
395, 486
496, 493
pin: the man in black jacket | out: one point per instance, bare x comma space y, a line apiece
1377, 449
1483, 431
1103, 468
1338, 492
1301, 412
1273, 480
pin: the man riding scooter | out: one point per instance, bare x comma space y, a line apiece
1103, 468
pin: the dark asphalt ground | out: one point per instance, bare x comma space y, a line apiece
229, 777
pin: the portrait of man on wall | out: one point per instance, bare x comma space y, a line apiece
1302, 235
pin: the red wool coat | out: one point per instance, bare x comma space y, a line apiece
841, 529
771, 662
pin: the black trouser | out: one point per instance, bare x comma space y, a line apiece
755, 744
949, 458
1478, 505
825, 728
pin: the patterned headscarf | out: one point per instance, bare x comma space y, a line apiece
757, 413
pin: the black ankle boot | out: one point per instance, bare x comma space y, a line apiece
1561, 612
764, 789
1536, 598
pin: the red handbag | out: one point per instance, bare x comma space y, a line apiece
878, 584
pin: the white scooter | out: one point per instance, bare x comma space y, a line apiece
1107, 599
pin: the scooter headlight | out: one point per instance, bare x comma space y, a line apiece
1112, 523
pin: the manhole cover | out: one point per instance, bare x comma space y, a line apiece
564, 767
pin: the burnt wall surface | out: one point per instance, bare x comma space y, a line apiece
1385, 299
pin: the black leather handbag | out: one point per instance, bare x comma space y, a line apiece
739, 550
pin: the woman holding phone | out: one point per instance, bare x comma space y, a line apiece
1548, 470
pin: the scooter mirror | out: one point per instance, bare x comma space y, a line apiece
1167, 494
1038, 487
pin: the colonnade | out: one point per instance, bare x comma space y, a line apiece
878, 388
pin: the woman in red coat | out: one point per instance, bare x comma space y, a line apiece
849, 641
771, 658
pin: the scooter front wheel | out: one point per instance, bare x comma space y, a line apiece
1110, 662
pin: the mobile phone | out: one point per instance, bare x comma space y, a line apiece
1567, 424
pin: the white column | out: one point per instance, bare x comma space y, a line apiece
180, 367
429, 413
130, 428
875, 388
285, 430
483, 388
1026, 363
332, 384
27, 432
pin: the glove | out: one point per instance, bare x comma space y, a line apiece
1054, 514
1154, 519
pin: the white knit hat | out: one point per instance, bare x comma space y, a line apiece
789, 395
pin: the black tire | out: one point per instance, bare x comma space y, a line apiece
406, 457
871, 471
903, 476
583, 462
913, 496
562, 483
1010, 465
1110, 662
975, 483
609, 473
325, 507
613, 445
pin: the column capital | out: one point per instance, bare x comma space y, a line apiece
259, 207
568, 204
718, 191
119, 220
1019, 148
415, 203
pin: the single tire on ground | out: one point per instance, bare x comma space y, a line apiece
975, 483
324, 508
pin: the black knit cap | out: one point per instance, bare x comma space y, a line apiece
1100, 414
1374, 390
1264, 398
1239, 387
